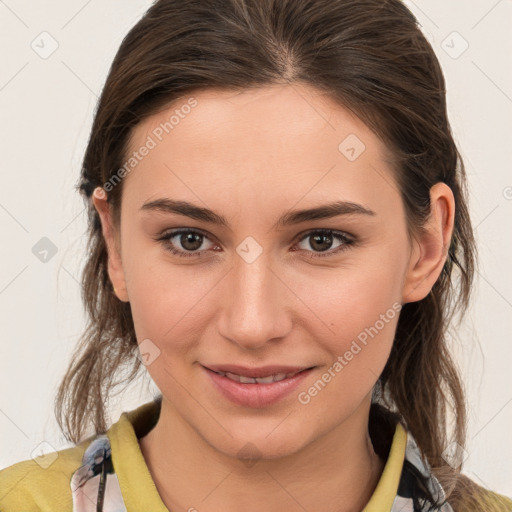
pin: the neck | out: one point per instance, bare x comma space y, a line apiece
337, 472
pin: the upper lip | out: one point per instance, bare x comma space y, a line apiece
255, 372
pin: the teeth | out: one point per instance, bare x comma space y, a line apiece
260, 380
265, 380
242, 379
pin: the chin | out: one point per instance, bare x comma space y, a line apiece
251, 451
275, 440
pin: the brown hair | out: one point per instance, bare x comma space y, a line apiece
368, 55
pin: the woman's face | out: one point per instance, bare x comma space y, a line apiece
253, 282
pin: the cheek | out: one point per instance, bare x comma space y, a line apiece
353, 297
362, 314
168, 301
166, 310
356, 313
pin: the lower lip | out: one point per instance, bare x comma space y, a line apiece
256, 395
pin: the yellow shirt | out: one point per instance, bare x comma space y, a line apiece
45, 484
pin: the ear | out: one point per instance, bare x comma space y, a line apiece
430, 248
115, 268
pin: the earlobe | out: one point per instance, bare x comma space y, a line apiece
115, 268
431, 246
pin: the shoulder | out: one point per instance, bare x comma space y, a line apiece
70, 479
473, 496
42, 483
497, 500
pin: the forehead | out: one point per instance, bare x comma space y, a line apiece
282, 141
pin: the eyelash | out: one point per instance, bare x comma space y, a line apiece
347, 242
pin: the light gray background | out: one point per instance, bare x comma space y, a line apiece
46, 109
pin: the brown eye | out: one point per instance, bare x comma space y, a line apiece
191, 241
184, 243
323, 240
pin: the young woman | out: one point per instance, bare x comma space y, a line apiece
278, 216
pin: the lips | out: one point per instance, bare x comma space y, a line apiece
277, 377
256, 372
256, 387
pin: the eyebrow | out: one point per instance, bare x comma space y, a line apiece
166, 205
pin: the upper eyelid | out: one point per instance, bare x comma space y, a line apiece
171, 233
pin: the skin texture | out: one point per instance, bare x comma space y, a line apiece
252, 157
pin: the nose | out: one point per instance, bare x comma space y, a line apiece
256, 309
